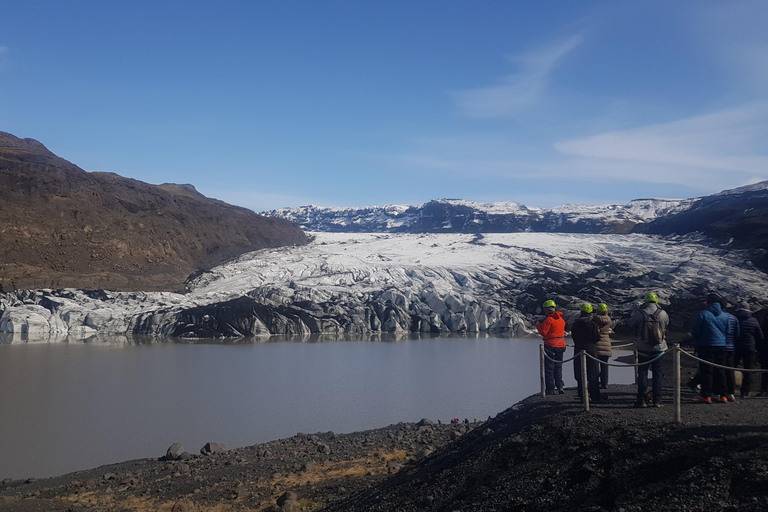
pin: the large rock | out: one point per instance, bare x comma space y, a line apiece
212, 448
175, 452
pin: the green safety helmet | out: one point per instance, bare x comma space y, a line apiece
549, 304
602, 307
651, 297
586, 307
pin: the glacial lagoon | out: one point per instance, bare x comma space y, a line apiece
71, 405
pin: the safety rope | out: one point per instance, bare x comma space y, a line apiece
750, 370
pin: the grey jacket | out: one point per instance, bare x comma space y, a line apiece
636, 321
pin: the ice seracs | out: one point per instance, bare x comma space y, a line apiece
361, 283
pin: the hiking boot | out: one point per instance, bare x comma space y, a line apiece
731, 398
549, 392
560, 391
658, 405
640, 403
723, 399
702, 400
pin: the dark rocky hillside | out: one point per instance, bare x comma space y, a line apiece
61, 226
737, 218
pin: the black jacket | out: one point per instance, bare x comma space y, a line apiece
751, 337
584, 332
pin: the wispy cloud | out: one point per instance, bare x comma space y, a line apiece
723, 147
519, 90
702, 154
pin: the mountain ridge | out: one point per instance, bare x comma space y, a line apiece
61, 226
463, 216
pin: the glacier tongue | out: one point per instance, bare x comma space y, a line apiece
345, 283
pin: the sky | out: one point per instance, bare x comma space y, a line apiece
270, 104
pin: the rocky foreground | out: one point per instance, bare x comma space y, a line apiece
540, 454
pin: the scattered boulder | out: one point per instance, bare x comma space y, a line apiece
183, 505
175, 452
211, 448
289, 502
287, 496
425, 422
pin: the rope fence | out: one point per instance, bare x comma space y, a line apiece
676, 351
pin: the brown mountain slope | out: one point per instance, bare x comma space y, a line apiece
61, 226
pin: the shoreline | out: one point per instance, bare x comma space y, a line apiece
398, 467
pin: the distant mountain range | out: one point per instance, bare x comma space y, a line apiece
736, 218
61, 226
459, 216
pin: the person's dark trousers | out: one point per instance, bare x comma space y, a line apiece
656, 371
730, 376
748, 358
604, 371
593, 371
718, 374
764, 378
712, 379
553, 370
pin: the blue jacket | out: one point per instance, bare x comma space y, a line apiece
710, 327
733, 332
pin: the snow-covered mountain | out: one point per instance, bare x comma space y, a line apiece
459, 216
359, 284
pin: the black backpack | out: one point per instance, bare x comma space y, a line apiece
651, 330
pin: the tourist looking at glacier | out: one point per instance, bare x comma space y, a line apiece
730, 349
649, 323
604, 350
709, 330
585, 335
750, 337
552, 330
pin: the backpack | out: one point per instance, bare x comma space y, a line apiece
651, 330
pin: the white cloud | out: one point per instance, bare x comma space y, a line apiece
519, 90
720, 148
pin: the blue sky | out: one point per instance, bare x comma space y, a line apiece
350, 103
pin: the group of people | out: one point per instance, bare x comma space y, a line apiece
590, 332
719, 337
726, 339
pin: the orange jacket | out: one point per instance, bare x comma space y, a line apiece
552, 329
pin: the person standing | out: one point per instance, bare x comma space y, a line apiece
750, 337
604, 350
709, 329
730, 350
650, 323
552, 330
585, 335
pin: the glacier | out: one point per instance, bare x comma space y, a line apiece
361, 283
